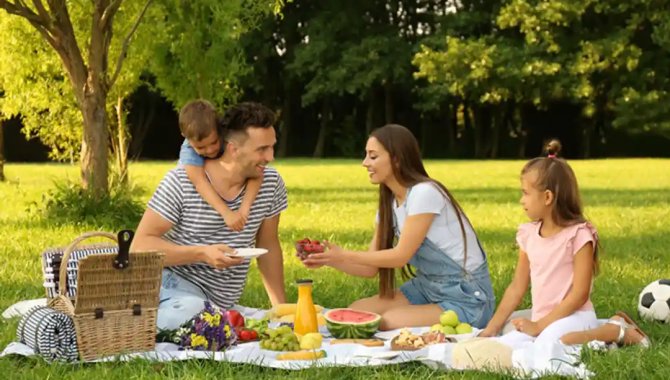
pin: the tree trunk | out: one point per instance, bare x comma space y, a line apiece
468, 128
496, 124
2, 152
451, 124
286, 118
94, 153
121, 142
516, 124
389, 111
477, 129
370, 115
94, 149
319, 148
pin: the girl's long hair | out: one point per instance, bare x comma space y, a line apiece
408, 169
554, 174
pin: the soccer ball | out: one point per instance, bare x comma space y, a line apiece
654, 303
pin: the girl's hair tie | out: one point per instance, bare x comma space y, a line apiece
551, 155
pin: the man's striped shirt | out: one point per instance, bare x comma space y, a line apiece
195, 222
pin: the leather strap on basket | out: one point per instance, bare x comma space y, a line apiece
122, 260
68, 251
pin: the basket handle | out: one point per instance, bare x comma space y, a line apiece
124, 238
70, 248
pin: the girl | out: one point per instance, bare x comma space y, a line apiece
433, 236
558, 256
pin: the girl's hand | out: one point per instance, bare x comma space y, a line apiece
489, 331
333, 255
527, 326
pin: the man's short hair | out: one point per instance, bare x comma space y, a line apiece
242, 116
197, 119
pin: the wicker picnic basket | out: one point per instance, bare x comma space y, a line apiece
114, 310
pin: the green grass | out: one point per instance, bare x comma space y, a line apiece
628, 200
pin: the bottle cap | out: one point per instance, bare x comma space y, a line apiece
303, 281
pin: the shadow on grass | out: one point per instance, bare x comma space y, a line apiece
497, 195
30, 222
201, 369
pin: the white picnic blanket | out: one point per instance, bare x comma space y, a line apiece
530, 361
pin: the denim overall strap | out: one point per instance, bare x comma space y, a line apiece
396, 232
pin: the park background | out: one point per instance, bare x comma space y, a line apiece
95, 86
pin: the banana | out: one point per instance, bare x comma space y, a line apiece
302, 355
283, 309
288, 318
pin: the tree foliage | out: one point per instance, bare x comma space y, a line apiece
74, 63
197, 53
609, 57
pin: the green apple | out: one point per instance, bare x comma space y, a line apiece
463, 328
449, 318
448, 330
436, 327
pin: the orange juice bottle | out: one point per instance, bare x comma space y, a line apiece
305, 314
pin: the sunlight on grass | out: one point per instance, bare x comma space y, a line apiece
628, 201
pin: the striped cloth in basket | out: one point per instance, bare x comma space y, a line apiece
50, 333
51, 262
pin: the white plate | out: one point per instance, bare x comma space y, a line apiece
384, 355
249, 253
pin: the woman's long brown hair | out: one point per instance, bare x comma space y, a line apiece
408, 169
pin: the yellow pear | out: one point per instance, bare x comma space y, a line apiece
311, 341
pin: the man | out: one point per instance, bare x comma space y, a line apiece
194, 237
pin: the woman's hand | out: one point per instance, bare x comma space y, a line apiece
303, 257
526, 326
332, 256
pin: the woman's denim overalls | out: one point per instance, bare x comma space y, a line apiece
441, 280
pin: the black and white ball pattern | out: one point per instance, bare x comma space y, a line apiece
654, 302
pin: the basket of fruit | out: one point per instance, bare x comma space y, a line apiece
451, 326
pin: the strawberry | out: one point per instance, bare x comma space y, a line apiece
300, 245
313, 248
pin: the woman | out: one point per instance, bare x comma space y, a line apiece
433, 236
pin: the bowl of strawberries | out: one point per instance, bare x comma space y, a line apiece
307, 246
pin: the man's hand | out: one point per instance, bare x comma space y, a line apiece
215, 255
235, 220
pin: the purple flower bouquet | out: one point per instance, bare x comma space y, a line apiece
209, 330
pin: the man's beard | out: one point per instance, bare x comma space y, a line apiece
252, 172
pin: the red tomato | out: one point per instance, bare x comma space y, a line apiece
235, 318
245, 335
254, 334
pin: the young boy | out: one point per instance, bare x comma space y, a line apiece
198, 124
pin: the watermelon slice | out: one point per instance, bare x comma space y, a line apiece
352, 324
